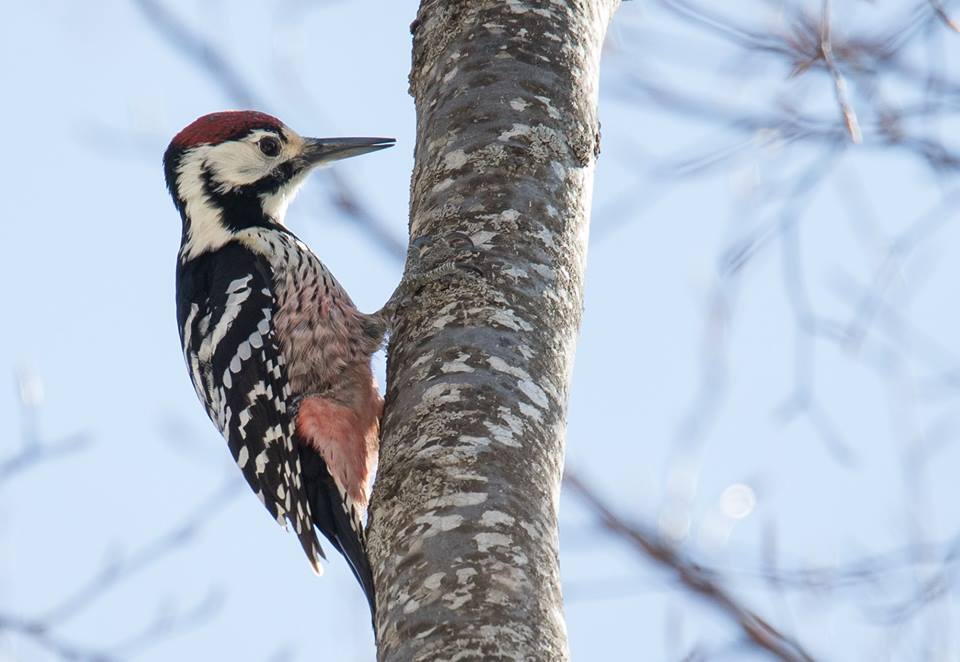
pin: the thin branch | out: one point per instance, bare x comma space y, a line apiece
169, 621
942, 14
119, 570
39, 633
199, 51
839, 84
695, 578
37, 453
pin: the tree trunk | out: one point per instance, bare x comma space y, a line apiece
463, 524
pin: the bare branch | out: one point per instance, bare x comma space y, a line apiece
695, 578
839, 84
120, 569
944, 16
199, 51
39, 633
34, 454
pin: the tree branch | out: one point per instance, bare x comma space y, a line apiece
694, 577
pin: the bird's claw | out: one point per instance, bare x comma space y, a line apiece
455, 256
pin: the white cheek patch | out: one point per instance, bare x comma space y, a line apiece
206, 228
236, 164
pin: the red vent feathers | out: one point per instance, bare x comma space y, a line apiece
219, 127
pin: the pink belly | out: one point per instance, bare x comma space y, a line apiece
346, 437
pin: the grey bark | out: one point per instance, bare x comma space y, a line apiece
463, 522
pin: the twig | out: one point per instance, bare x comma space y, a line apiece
944, 16
36, 453
198, 51
694, 577
119, 570
839, 84
169, 621
39, 633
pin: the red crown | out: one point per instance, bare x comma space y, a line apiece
220, 127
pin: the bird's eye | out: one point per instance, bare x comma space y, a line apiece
269, 146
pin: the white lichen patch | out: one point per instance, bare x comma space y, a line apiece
513, 132
496, 518
531, 530
502, 435
432, 583
524, 351
508, 318
534, 392
443, 185
522, 7
531, 412
487, 540
455, 159
546, 238
469, 476
426, 358
441, 394
519, 104
459, 500
458, 364
524, 381
426, 633
450, 75
472, 444
549, 107
515, 272
441, 321
481, 239
438, 523
516, 425
463, 594
500, 365
543, 271
456, 599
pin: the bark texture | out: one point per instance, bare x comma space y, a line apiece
463, 524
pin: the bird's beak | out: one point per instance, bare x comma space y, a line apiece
317, 151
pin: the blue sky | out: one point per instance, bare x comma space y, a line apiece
94, 94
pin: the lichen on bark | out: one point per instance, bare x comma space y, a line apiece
463, 522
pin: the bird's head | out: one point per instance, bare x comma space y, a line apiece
233, 170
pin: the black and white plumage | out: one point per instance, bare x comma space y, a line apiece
277, 352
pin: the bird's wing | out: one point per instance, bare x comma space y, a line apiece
238, 370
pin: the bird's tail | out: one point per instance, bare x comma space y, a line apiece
342, 528
351, 544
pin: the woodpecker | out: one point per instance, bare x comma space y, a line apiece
277, 352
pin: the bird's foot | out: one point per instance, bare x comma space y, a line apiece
456, 256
